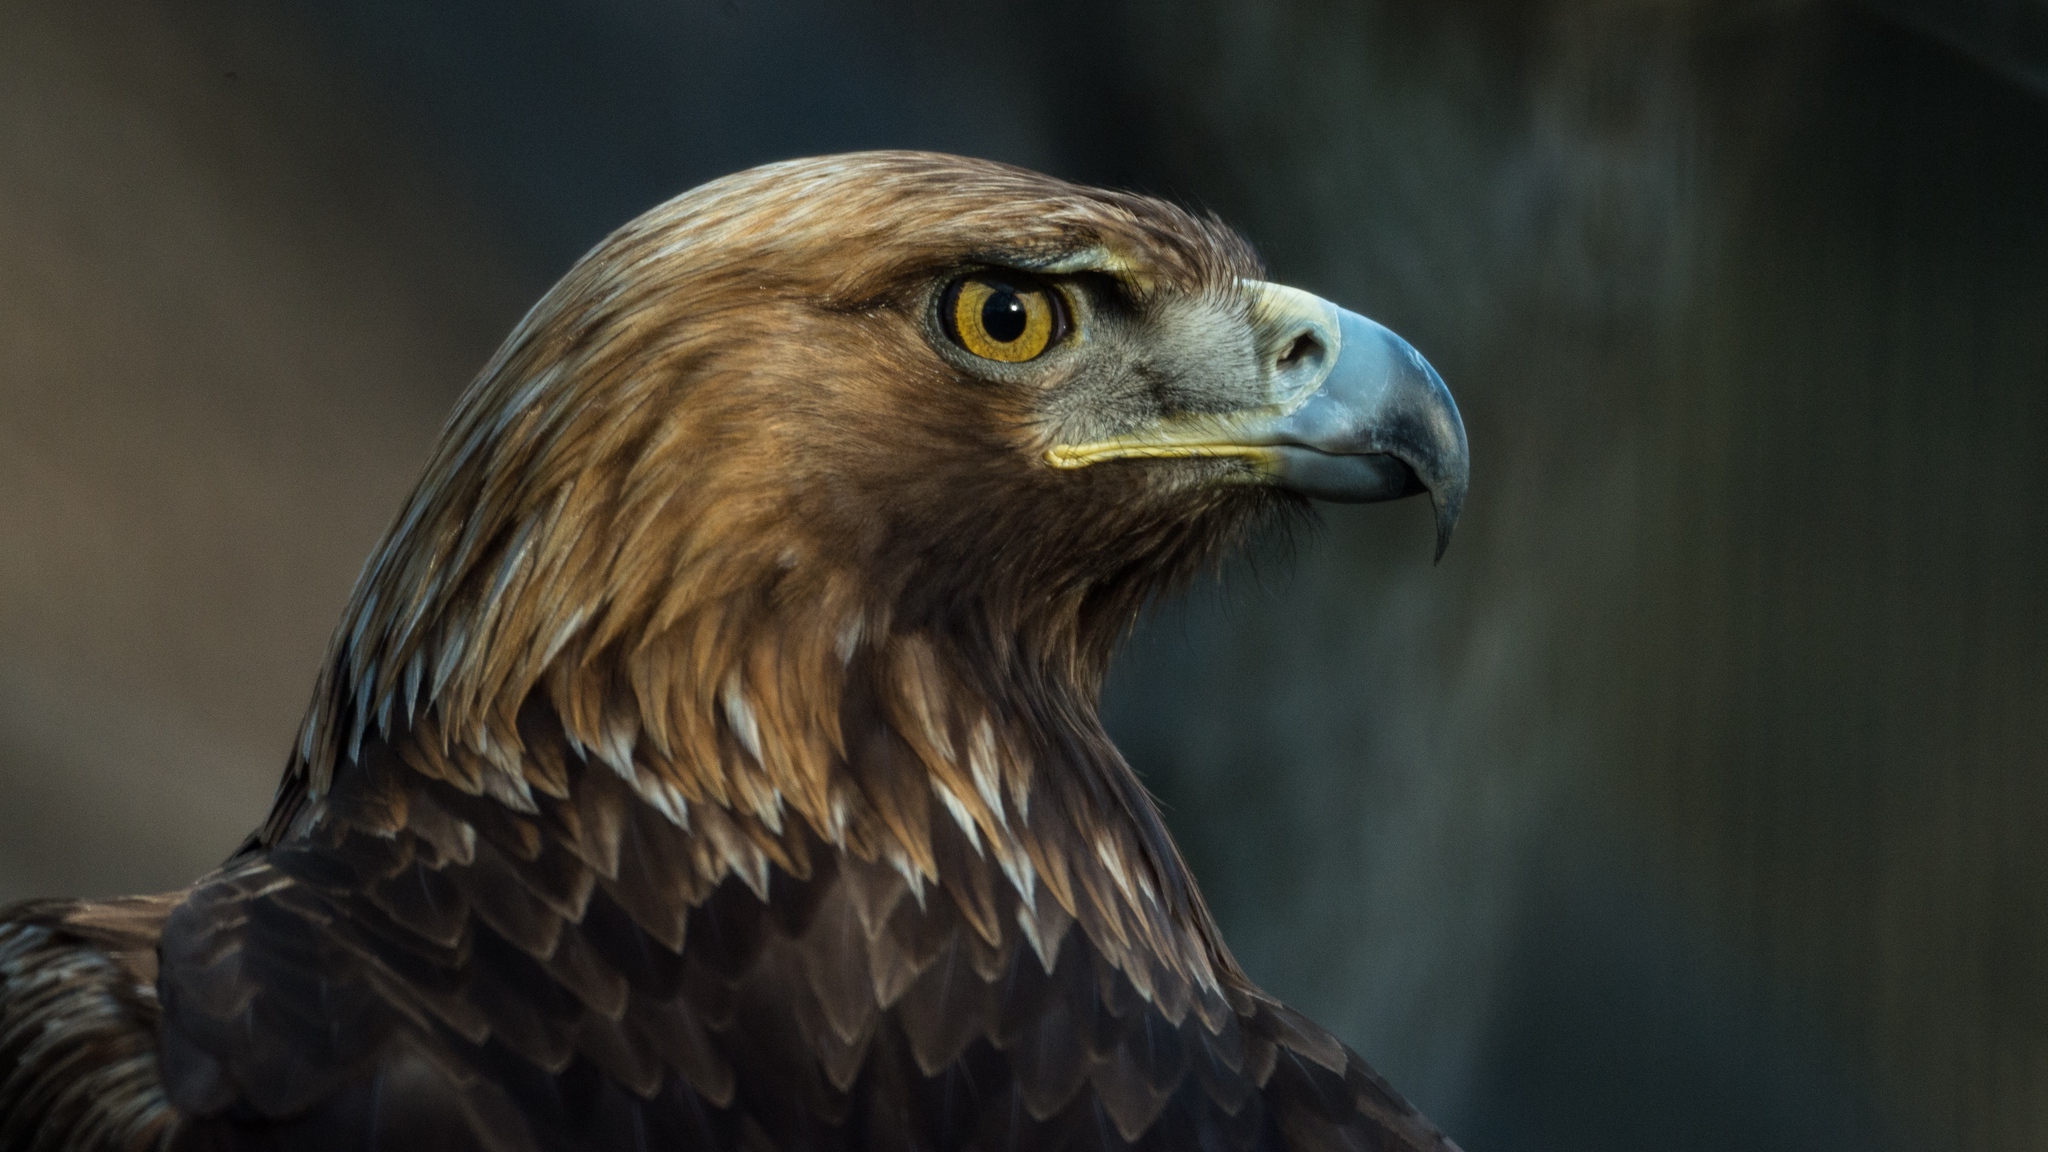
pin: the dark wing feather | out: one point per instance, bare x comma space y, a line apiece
78, 1020
430, 969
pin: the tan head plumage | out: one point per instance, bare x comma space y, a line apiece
720, 468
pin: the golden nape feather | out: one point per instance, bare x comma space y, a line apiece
709, 757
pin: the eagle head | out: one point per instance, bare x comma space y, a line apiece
890, 442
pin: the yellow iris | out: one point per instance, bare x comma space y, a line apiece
1001, 321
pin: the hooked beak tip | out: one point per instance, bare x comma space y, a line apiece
1379, 426
1446, 519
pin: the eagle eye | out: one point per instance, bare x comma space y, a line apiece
1002, 320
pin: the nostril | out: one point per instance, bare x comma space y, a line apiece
1304, 347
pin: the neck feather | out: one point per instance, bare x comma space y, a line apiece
761, 719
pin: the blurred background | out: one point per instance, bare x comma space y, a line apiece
1699, 799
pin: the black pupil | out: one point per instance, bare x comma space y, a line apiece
1003, 316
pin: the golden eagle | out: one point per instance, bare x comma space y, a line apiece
709, 756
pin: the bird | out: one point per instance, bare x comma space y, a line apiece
709, 756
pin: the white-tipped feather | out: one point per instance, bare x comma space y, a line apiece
908, 869
360, 721
1016, 864
510, 790
740, 715
958, 810
981, 764
848, 641
1028, 921
664, 797
415, 671
454, 643
1112, 857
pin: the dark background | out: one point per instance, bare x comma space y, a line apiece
1696, 801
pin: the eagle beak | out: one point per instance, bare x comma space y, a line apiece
1350, 413
1378, 424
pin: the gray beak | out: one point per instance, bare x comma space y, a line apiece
1381, 425
1345, 411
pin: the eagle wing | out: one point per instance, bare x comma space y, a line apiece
78, 1026
429, 968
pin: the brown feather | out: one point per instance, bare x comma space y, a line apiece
708, 756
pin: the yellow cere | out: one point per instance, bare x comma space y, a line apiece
1001, 321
